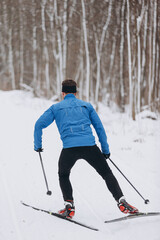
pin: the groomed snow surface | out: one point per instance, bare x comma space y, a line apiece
135, 148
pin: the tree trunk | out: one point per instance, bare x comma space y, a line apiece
129, 61
45, 49
10, 60
87, 50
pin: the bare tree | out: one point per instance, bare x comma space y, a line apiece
129, 61
86, 50
99, 48
45, 49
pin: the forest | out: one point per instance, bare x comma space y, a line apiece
111, 48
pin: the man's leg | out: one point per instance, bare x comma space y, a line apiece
96, 159
66, 161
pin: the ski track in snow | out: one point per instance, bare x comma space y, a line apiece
134, 148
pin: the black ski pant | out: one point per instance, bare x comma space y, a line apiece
95, 158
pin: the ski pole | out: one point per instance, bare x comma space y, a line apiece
146, 201
48, 191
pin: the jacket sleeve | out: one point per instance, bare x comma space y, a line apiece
44, 121
97, 124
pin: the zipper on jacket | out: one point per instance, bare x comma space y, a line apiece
71, 129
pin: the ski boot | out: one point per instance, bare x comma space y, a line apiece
125, 207
69, 209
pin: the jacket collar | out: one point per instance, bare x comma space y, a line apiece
70, 95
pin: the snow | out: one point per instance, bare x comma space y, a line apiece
134, 149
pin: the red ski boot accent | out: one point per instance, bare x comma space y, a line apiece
126, 208
68, 211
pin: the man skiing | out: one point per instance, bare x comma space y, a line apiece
73, 118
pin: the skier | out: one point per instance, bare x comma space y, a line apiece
73, 118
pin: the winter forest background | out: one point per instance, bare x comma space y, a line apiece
110, 47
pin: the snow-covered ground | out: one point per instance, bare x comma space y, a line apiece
135, 148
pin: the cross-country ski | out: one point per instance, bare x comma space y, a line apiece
133, 216
60, 216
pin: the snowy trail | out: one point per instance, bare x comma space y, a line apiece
135, 149
10, 210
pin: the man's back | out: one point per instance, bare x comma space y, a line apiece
72, 117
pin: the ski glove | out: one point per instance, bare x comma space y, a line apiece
106, 155
39, 150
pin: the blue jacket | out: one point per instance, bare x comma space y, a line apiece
73, 118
